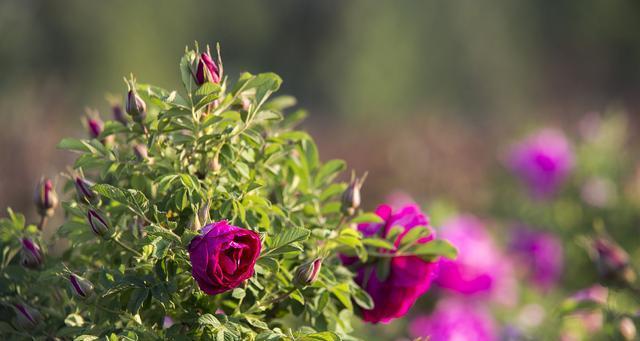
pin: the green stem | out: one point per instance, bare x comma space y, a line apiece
126, 247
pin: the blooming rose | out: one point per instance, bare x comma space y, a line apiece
480, 269
409, 276
223, 256
542, 162
455, 319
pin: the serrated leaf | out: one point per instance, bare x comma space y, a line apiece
286, 237
324, 336
209, 320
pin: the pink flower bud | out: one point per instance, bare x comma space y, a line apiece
307, 273
612, 261
351, 197
95, 126
135, 106
80, 287
627, 328
99, 223
45, 198
84, 191
207, 70
31, 255
27, 318
118, 114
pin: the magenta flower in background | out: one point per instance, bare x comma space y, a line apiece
480, 269
223, 256
455, 320
409, 276
540, 253
542, 162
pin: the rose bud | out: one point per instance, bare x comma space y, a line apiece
99, 223
80, 287
118, 114
135, 106
26, 317
207, 70
95, 126
141, 152
351, 196
84, 191
45, 198
223, 256
613, 262
31, 255
307, 273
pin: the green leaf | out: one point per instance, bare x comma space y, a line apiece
328, 171
238, 293
367, 218
415, 234
433, 249
288, 236
324, 336
138, 295
135, 199
361, 297
209, 320
343, 294
76, 145
376, 242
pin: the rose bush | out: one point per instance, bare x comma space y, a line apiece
203, 214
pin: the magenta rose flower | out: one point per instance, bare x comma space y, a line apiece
223, 256
542, 162
409, 276
481, 268
540, 254
454, 320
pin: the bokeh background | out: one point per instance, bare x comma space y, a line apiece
424, 95
419, 93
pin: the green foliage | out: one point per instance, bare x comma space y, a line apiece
216, 151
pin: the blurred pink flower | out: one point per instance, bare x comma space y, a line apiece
481, 269
540, 254
598, 192
542, 161
455, 320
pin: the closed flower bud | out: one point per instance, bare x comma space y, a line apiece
80, 287
307, 273
27, 318
351, 197
141, 152
31, 255
99, 223
84, 191
95, 126
207, 70
45, 198
613, 262
118, 114
135, 106
627, 329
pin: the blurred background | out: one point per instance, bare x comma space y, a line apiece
433, 85
424, 95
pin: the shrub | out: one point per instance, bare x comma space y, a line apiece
201, 214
